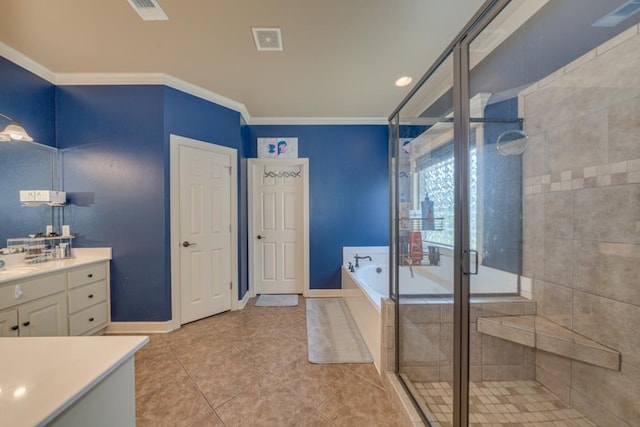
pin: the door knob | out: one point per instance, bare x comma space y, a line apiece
187, 244
261, 237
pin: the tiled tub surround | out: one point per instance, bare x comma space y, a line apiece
582, 221
426, 341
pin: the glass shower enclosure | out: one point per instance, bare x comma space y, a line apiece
515, 193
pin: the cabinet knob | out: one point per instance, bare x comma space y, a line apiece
91, 319
27, 323
90, 296
14, 328
90, 275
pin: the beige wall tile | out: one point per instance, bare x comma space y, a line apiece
608, 269
623, 124
558, 214
558, 261
421, 373
503, 373
587, 136
616, 392
536, 158
558, 366
496, 351
598, 415
608, 322
554, 384
554, 302
420, 344
596, 209
419, 313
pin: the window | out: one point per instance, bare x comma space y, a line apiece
436, 179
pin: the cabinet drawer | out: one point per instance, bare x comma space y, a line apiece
87, 295
85, 320
22, 291
85, 275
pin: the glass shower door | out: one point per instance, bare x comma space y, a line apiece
424, 240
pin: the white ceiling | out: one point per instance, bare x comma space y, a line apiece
340, 58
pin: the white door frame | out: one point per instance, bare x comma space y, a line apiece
175, 142
304, 167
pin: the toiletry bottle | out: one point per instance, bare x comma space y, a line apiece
428, 222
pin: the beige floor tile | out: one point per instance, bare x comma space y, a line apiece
359, 402
179, 404
251, 366
157, 371
314, 383
266, 404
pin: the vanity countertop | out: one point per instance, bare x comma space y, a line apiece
80, 256
43, 376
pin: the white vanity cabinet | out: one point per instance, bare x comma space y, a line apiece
88, 292
34, 307
66, 301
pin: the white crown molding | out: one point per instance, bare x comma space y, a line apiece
27, 63
84, 79
207, 95
319, 121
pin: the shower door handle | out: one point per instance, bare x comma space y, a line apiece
466, 262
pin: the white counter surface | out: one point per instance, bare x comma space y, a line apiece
81, 256
42, 376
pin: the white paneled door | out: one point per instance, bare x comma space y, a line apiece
205, 232
279, 226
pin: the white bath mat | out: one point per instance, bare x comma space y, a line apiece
332, 335
277, 300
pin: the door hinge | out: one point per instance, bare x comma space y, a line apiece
229, 228
229, 168
230, 285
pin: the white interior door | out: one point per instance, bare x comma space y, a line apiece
278, 225
205, 232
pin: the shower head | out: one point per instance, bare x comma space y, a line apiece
512, 143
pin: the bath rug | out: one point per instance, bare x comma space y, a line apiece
332, 335
277, 300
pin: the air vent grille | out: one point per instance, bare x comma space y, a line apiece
267, 38
149, 10
618, 15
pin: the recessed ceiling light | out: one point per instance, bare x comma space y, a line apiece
403, 81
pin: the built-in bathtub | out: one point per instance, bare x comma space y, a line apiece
366, 287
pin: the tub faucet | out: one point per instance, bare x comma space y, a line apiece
361, 257
351, 269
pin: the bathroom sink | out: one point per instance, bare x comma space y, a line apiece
11, 271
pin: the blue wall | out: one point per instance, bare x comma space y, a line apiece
114, 144
348, 190
193, 117
111, 140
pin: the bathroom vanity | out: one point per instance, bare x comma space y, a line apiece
56, 298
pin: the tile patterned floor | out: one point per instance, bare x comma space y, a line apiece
502, 403
250, 368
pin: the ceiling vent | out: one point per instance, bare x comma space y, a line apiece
267, 38
618, 15
149, 10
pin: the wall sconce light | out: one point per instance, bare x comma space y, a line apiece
14, 131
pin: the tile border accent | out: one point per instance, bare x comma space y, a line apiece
603, 175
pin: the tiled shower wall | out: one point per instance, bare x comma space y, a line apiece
582, 221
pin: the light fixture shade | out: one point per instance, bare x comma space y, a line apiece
16, 132
4, 137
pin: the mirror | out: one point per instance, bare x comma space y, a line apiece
25, 166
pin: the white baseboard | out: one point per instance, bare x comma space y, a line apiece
323, 293
243, 301
140, 327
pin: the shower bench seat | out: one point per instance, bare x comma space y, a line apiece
537, 332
